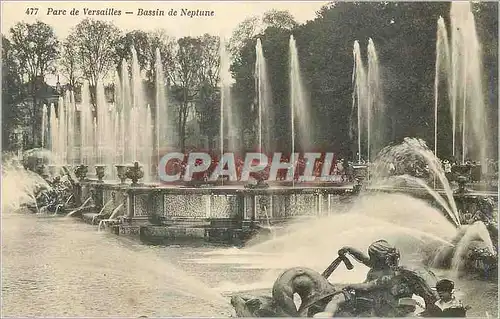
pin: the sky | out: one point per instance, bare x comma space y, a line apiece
227, 14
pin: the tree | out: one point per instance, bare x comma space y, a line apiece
159, 39
136, 39
35, 47
12, 93
145, 45
68, 63
208, 101
245, 30
279, 19
184, 77
252, 26
274, 29
95, 48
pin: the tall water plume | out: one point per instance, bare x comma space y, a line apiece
443, 64
105, 133
228, 111
69, 102
45, 128
299, 103
109, 133
62, 138
162, 118
263, 92
86, 127
54, 133
468, 107
368, 99
359, 95
376, 114
140, 121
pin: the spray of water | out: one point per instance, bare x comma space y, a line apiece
464, 77
443, 64
79, 208
473, 233
228, 110
314, 243
359, 93
370, 106
263, 92
299, 103
414, 151
19, 185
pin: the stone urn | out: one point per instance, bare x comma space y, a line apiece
81, 172
135, 173
360, 172
100, 170
121, 170
461, 181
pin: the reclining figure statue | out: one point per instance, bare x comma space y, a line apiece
388, 290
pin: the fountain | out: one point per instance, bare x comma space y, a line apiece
263, 99
115, 136
299, 105
368, 102
228, 110
119, 142
359, 94
461, 206
459, 58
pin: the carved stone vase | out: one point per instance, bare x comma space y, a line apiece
135, 173
100, 171
121, 171
81, 172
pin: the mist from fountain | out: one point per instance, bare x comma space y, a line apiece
461, 61
417, 182
19, 186
263, 92
398, 218
299, 104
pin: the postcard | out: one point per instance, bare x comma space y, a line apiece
249, 159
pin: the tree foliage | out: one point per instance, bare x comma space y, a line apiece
95, 42
68, 63
36, 48
12, 92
